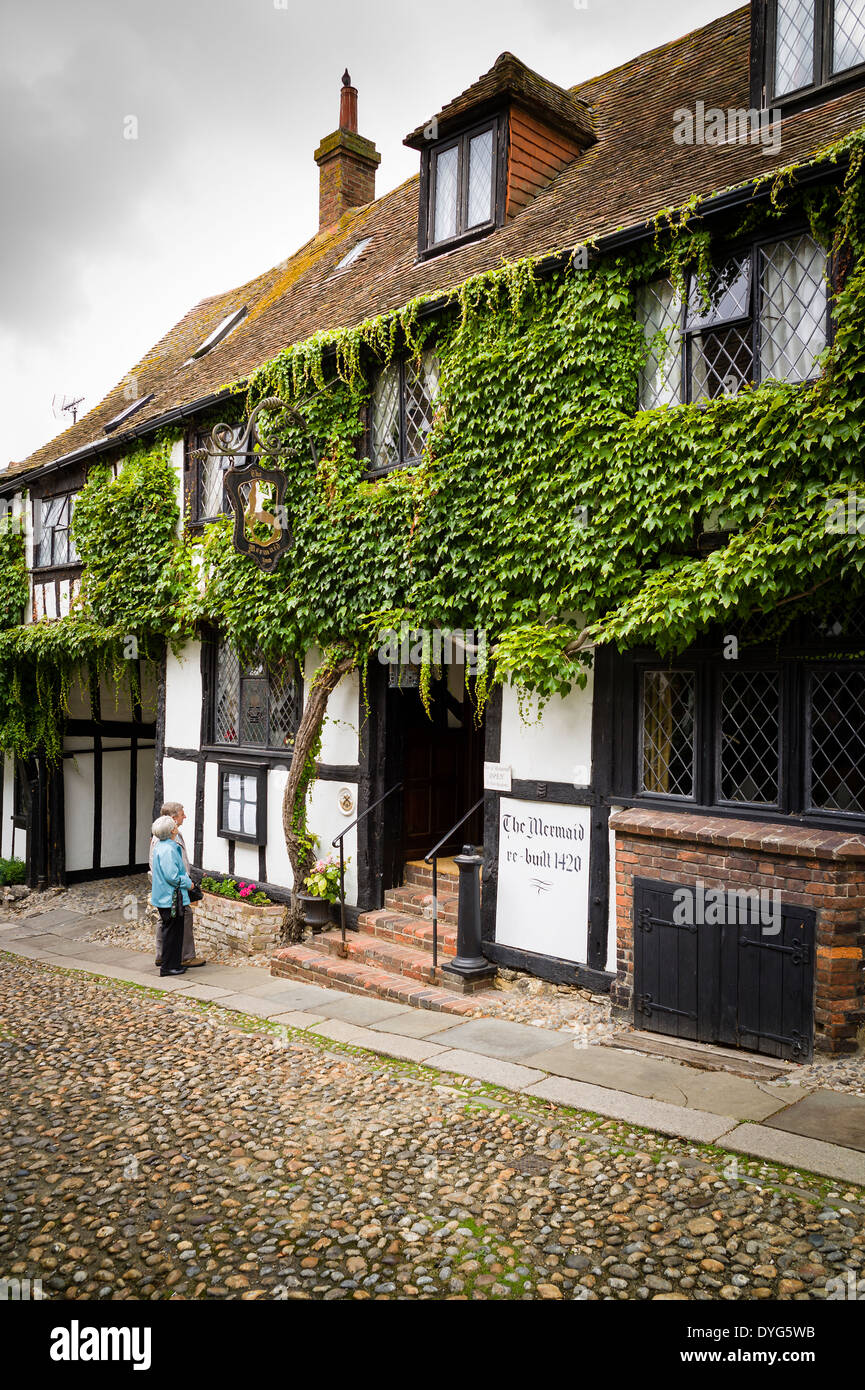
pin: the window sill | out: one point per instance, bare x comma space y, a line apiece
70, 571
243, 753
440, 248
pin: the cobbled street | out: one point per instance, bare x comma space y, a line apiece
154, 1147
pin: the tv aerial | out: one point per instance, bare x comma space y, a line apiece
64, 405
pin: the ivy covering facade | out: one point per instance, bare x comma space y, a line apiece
548, 509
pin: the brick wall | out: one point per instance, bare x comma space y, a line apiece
818, 869
347, 165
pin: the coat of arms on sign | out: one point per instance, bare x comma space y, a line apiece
257, 493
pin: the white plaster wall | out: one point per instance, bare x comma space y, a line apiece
246, 861
339, 738
178, 784
115, 802
325, 820
78, 797
19, 845
7, 827
278, 866
183, 698
611, 927
144, 803
176, 461
215, 848
79, 700
558, 748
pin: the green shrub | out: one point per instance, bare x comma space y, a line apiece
12, 871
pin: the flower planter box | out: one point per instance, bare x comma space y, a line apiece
237, 925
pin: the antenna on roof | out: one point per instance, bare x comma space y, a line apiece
62, 405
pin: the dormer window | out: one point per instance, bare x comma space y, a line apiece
462, 186
812, 44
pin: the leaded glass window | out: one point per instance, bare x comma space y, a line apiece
209, 499
749, 753
811, 43
667, 729
794, 45
782, 283
255, 705
848, 38
462, 186
659, 310
402, 409
52, 539
792, 308
836, 739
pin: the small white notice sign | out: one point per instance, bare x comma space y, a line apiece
497, 777
543, 888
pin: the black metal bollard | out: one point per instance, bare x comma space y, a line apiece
470, 969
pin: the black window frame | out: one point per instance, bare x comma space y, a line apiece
742, 249
41, 566
795, 665
249, 750
461, 139
824, 83
373, 469
258, 772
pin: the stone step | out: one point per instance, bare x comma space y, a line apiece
414, 963
353, 977
405, 929
417, 901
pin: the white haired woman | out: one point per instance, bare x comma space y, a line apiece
170, 893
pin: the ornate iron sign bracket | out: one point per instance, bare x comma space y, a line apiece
257, 493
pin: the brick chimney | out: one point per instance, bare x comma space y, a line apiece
347, 162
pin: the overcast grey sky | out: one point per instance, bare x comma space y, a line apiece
106, 241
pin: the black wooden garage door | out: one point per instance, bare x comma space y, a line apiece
729, 983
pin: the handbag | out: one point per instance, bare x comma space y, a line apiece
195, 894
177, 905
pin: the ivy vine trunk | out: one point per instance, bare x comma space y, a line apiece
301, 772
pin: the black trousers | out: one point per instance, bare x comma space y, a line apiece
172, 940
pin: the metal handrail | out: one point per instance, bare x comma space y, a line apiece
432, 858
338, 839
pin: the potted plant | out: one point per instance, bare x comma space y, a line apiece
322, 892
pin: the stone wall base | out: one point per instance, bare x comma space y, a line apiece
236, 925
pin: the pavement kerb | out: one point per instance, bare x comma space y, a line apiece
755, 1140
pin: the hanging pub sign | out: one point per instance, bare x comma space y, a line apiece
255, 492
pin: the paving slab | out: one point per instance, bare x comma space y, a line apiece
830, 1116
494, 1037
797, 1151
357, 1009
203, 992
57, 916
697, 1125
411, 1049
290, 994
658, 1078
492, 1069
294, 1018
251, 1004
414, 1023
14, 931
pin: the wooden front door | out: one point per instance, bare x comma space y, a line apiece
442, 770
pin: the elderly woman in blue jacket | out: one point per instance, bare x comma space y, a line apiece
169, 875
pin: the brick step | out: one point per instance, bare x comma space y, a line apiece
419, 873
404, 929
417, 901
353, 977
414, 963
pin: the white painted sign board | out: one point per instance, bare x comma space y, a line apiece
497, 777
543, 889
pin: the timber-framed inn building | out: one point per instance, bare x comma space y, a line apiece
740, 781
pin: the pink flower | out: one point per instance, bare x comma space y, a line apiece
245, 890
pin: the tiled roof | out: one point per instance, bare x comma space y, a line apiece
509, 77
634, 170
